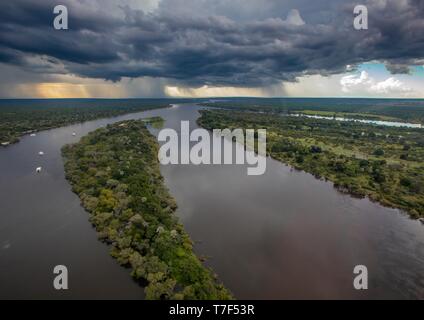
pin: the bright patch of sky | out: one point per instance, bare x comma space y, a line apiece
371, 80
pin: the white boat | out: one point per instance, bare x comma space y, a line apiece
38, 170
74, 134
41, 153
32, 135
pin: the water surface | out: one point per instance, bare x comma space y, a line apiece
287, 235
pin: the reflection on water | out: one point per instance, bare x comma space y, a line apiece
280, 235
376, 122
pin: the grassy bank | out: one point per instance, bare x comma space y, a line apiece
115, 172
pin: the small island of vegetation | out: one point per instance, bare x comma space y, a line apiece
115, 172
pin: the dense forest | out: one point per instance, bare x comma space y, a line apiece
20, 117
384, 163
115, 172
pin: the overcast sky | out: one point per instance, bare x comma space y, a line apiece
194, 48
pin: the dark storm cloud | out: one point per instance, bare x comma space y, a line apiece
197, 42
396, 68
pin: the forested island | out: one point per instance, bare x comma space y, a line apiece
383, 163
21, 117
115, 172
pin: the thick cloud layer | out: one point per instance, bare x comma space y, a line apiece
209, 42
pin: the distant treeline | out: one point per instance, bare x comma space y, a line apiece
407, 110
20, 117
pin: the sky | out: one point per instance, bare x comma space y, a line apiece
211, 48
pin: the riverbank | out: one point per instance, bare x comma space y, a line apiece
384, 164
18, 120
115, 172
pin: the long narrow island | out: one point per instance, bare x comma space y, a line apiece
115, 172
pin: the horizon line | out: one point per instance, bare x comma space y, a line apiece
221, 98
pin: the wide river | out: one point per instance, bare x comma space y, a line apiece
281, 235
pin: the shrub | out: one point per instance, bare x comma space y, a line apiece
378, 152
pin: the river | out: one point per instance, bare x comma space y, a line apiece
375, 122
281, 235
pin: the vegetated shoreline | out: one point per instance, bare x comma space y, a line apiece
403, 110
352, 117
207, 121
115, 172
15, 137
